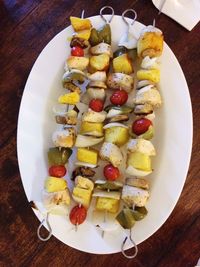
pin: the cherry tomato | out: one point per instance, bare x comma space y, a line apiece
77, 51
140, 126
110, 172
78, 215
57, 171
119, 97
96, 105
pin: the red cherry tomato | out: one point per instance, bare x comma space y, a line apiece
77, 51
96, 105
57, 171
140, 126
110, 172
119, 97
78, 215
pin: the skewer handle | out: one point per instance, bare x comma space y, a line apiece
135, 247
107, 21
49, 228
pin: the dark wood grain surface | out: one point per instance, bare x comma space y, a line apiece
25, 28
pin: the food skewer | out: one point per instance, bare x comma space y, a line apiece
135, 191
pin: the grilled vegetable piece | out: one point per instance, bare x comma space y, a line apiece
73, 75
97, 106
120, 80
143, 109
97, 84
116, 110
78, 215
64, 138
72, 87
93, 93
98, 76
111, 153
99, 63
80, 24
57, 171
77, 41
149, 63
94, 37
138, 216
58, 156
105, 34
80, 63
134, 196
87, 141
126, 218
102, 35
92, 128
148, 95
119, 97
141, 125
55, 184
150, 43
110, 172
138, 182
119, 118
142, 146
153, 75
107, 204
117, 135
122, 64
83, 171
87, 155
108, 185
70, 98
84, 182
101, 48
93, 116
139, 161
82, 196
106, 194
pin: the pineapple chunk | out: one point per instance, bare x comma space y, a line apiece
54, 184
82, 196
70, 98
122, 64
91, 128
79, 63
150, 44
107, 204
84, 182
85, 34
152, 75
87, 155
99, 63
80, 24
117, 135
139, 161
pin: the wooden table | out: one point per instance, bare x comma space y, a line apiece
25, 28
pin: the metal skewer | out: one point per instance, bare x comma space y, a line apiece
134, 18
46, 219
107, 21
134, 244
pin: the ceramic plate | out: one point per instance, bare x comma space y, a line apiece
173, 142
